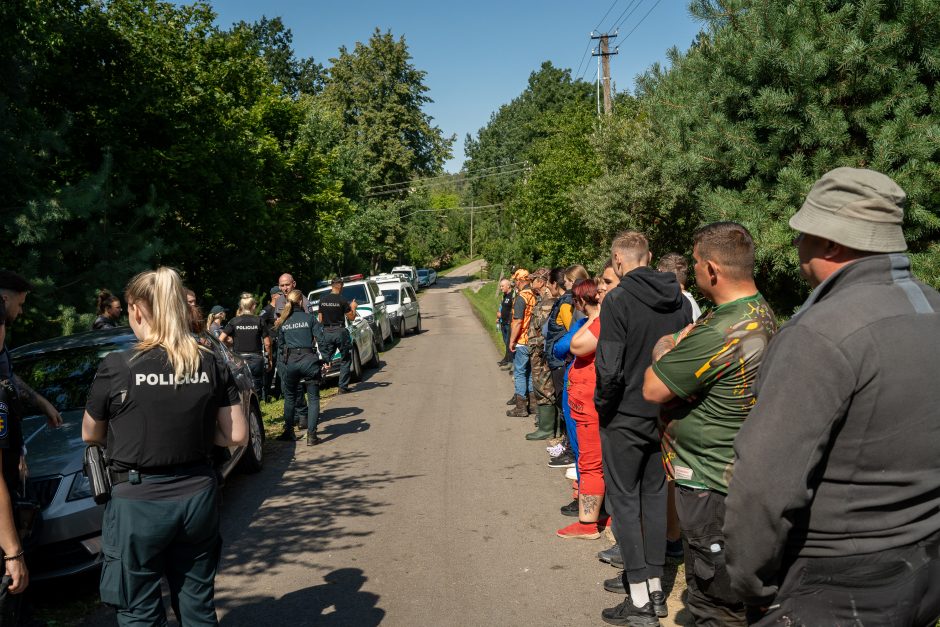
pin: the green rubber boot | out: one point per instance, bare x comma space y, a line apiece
546, 425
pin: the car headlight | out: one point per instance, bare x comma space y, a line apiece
81, 487
370, 318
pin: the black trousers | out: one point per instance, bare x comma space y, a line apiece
710, 599
635, 486
10, 604
893, 588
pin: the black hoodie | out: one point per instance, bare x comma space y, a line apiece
645, 306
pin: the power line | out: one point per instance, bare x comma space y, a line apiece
443, 176
583, 57
644, 18
469, 208
621, 19
419, 186
612, 5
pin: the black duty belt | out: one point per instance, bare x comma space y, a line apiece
299, 351
250, 354
194, 468
334, 327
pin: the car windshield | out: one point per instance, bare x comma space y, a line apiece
357, 291
391, 297
423, 273
64, 376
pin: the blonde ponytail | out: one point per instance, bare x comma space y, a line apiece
247, 305
295, 298
161, 292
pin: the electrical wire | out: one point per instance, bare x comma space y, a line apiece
413, 182
417, 185
624, 16
644, 18
612, 5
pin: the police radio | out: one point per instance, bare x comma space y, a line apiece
97, 472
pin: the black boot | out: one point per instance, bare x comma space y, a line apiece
512, 401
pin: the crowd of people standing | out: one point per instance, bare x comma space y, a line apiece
779, 464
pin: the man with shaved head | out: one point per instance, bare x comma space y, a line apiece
286, 283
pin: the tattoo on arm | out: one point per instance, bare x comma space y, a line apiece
28, 395
590, 502
663, 346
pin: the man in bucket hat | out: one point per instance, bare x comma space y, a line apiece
519, 347
833, 510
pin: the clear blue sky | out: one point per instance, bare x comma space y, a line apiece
478, 55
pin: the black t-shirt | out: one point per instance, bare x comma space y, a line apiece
247, 333
103, 322
298, 331
153, 420
333, 308
505, 308
11, 436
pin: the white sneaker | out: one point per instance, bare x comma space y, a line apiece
555, 451
571, 474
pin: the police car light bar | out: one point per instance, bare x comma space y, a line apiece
354, 277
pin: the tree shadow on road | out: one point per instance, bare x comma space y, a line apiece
313, 502
340, 602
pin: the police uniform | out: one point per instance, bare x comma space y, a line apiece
299, 363
11, 443
272, 387
248, 333
300, 405
103, 322
333, 310
162, 519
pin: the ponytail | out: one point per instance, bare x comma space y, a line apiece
105, 298
247, 305
294, 299
161, 293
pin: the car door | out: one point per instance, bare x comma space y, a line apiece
413, 308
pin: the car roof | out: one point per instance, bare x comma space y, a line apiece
85, 339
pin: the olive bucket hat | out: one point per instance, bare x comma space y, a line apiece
860, 209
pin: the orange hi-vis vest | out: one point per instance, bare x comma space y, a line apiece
529, 297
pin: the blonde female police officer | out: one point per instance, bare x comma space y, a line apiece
297, 333
160, 407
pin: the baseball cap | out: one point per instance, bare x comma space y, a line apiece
520, 275
336, 280
275, 290
216, 309
541, 273
858, 208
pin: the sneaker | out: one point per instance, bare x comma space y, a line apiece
615, 584
628, 614
611, 556
674, 548
658, 599
571, 509
345, 390
555, 451
580, 530
312, 440
565, 460
571, 474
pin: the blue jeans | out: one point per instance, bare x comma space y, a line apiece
569, 422
504, 329
522, 371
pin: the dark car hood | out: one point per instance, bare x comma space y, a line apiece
54, 451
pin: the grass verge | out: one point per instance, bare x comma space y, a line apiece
485, 302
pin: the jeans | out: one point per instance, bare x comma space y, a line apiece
522, 371
504, 329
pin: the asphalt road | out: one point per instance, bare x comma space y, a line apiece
424, 505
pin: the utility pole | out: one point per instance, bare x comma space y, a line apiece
471, 230
603, 54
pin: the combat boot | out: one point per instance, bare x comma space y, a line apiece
546, 423
512, 401
520, 409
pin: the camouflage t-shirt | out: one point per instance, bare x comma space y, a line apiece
713, 370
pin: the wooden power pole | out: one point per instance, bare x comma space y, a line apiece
603, 51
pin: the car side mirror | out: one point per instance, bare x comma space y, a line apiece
406, 300
379, 300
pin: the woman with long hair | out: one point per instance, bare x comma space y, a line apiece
250, 339
297, 335
109, 311
581, 383
159, 409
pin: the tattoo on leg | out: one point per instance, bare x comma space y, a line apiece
590, 502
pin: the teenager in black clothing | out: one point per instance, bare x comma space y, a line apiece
250, 339
504, 318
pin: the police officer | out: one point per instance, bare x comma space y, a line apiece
299, 363
109, 311
286, 284
334, 311
160, 407
272, 385
250, 339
